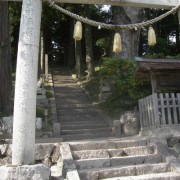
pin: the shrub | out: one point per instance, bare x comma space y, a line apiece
120, 72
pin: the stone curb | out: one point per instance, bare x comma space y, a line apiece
69, 169
52, 103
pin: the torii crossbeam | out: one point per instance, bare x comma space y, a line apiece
26, 73
166, 4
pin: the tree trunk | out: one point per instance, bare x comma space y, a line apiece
130, 38
5, 62
71, 45
78, 54
89, 52
89, 47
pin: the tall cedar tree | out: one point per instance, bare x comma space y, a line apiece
5, 61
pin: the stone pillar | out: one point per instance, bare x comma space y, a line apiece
42, 54
23, 149
179, 15
46, 66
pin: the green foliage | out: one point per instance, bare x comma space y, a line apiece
117, 104
120, 72
103, 42
49, 94
160, 50
40, 111
167, 33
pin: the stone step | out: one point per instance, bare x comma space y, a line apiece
85, 113
90, 154
85, 131
71, 100
117, 161
120, 171
68, 93
78, 117
79, 111
86, 136
63, 84
71, 94
68, 90
67, 120
82, 121
80, 126
75, 106
133, 151
108, 145
64, 81
159, 176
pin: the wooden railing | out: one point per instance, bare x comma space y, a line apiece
159, 109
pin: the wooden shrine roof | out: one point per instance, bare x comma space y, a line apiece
164, 74
146, 65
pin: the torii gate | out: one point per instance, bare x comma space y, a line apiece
23, 149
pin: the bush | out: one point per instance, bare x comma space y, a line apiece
120, 72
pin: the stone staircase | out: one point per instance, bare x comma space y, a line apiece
78, 117
118, 160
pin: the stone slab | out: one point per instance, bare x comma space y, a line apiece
84, 126
67, 159
92, 163
89, 154
153, 168
131, 143
49, 140
85, 131
115, 152
56, 129
89, 175
89, 136
114, 172
93, 146
43, 151
153, 159
159, 176
72, 175
142, 150
127, 161
56, 170
32, 172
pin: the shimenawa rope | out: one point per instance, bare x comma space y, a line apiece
112, 26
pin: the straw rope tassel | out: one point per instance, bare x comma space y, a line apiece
151, 36
78, 31
117, 46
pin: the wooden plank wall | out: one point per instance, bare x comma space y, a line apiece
159, 109
169, 108
147, 112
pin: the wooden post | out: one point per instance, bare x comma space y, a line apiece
46, 66
153, 82
42, 54
23, 148
155, 109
